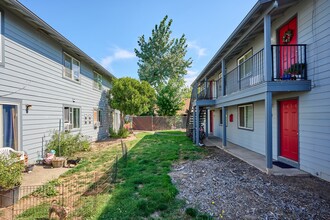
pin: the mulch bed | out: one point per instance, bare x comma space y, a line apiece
227, 188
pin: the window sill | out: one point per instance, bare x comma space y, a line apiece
247, 129
72, 80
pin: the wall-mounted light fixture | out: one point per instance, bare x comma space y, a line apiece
27, 107
73, 100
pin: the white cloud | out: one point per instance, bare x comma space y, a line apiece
118, 54
199, 50
190, 77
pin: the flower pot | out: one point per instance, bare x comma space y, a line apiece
9, 197
58, 162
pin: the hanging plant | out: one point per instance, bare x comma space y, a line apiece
287, 36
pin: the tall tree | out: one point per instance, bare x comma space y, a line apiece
131, 97
162, 58
170, 98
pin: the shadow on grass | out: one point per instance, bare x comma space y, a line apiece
143, 187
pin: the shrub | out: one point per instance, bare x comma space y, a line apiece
68, 144
122, 133
10, 172
191, 212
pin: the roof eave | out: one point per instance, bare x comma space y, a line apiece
30, 17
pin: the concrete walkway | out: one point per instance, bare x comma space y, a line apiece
41, 175
253, 158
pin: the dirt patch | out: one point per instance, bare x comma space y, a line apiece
226, 187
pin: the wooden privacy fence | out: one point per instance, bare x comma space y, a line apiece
154, 123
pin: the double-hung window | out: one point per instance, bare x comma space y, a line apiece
245, 64
245, 116
71, 68
97, 81
71, 118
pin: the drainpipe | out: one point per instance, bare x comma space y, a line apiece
197, 124
224, 127
224, 121
194, 124
206, 122
268, 94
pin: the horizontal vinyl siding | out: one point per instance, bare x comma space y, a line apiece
249, 139
314, 106
33, 73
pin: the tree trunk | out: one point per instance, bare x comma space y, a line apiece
122, 120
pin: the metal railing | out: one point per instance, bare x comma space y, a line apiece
247, 74
209, 92
289, 62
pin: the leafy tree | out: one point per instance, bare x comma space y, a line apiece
169, 100
131, 97
162, 58
162, 63
186, 92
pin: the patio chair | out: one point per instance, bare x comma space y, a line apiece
7, 151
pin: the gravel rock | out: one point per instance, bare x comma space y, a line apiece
228, 188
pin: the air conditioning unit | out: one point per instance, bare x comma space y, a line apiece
67, 127
96, 124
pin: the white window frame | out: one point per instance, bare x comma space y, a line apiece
69, 120
221, 122
2, 43
18, 123
246, 115
75, 73
242, 65
97, 84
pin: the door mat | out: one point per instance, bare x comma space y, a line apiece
282, 165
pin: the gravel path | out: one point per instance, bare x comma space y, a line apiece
228, 188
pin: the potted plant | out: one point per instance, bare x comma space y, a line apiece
298, 70
10, 179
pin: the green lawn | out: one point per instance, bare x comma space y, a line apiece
143, 188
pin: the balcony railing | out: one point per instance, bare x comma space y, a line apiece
245, 75
289, 62
211, 90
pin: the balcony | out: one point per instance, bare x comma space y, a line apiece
289, 73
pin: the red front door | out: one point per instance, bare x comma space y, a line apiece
288, 54
211, 121
289, 129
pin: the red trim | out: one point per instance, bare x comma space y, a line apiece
289, 129
211, 121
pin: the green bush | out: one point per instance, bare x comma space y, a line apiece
10, 172
122, 133
68, 144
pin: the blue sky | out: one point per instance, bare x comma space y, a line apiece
108, 30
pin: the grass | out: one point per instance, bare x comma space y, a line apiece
143, 188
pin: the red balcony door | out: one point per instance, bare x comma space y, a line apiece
211, 121
211, 89
289, 129
287, 35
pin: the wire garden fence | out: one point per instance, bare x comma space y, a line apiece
34, 202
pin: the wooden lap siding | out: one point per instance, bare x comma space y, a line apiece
33, 72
